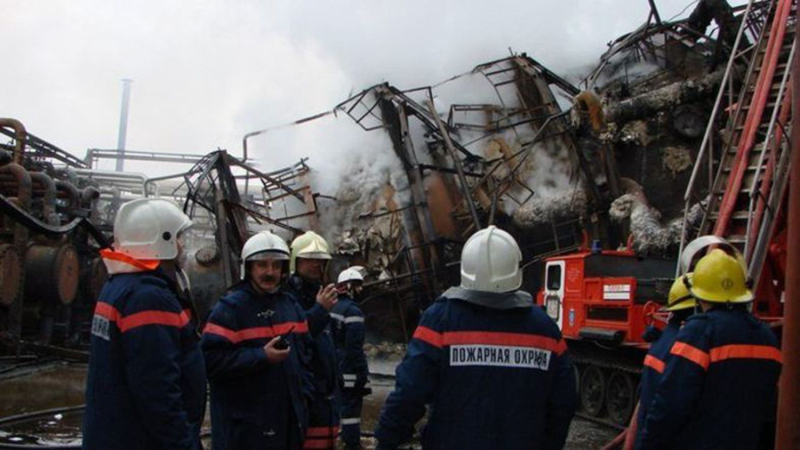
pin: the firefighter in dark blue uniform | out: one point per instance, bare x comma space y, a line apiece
680, 305
718, 385
255, 345
348, 336
146, 385
308, 263
492, 367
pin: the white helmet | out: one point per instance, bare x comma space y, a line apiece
263, 245
147, 228
490, 262
694, 248
350, 274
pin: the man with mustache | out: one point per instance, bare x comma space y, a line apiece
309, 260
255, 345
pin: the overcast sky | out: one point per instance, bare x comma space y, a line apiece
207, 71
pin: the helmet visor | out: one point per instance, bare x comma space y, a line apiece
268, 254
314, 255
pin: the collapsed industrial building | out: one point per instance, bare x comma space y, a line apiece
582, 166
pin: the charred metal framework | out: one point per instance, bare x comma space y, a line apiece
526, 112
679, 47
229, 199
455, 185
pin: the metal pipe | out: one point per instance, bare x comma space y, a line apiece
88, 195
265, 130
49, 206
23, 199
123, 123
110, 175
21, 136
72, 193
456, 162
24, 183
787, 432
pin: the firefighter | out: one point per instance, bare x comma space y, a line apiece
680, 305
308, 263
720, 380
348, 336
146, 387
256, 355
493, 368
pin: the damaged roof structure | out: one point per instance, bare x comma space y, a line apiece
554, 164
509, 143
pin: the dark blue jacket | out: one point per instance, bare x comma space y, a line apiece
654, 364
146, 387
717, 386
494, 379
323, 360
348, 336
255, 404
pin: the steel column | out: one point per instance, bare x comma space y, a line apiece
787, 432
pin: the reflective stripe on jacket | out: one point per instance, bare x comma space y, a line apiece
654, 365
146, 386
323, 415
717, 386
348, 337
254, 402
323, 362
493, 378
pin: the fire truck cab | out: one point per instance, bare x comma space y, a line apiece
604, 295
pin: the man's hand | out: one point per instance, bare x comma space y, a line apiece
327, 296
274, 356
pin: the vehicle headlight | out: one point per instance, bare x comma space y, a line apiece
553, 306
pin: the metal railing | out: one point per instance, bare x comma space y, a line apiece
756, 194
726, 86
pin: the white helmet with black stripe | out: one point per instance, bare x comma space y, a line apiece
490, 262
263, 245
148, 228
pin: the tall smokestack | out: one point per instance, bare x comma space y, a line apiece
123, 122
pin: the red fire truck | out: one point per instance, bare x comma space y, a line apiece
603, 301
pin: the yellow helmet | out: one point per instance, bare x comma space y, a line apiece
720, 278
308, 245
679, 297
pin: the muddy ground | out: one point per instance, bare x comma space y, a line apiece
60, 386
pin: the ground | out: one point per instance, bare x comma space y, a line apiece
58, 385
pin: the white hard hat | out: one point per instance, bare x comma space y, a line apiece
490, 262
695, 247
350, 274
263, 245
147, 228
